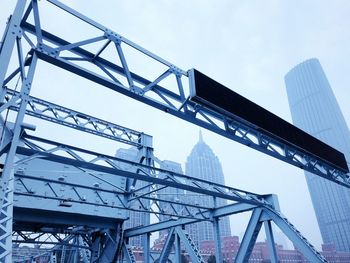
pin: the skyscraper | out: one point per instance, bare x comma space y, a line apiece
204, 164
315, 109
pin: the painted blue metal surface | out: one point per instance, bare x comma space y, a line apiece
84, 205
250, 236
48, 186
270, 242
190, 111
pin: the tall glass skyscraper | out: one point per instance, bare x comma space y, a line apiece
204, 164
315, 110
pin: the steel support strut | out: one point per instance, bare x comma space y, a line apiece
270, 241
13, 32
6, 187
146, 217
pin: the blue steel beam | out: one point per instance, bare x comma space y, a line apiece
101, 203
217, 240
249, 237
295, 236
177, 249
11, 34
171, 179
190, 246
128, 254
270, 241
112, 245
217, 237
219, 212
168, 245
232, 128
6, 186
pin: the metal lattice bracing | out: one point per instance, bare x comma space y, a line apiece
63, 54
87, 202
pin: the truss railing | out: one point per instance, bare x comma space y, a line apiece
77, 120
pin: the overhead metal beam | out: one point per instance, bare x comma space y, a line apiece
295, 237
169, 178
58, 114
232, 128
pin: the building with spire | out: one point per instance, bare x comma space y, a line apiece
202, 163
315, 109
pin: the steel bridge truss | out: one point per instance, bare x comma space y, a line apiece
107, 241
117, 76
81, 241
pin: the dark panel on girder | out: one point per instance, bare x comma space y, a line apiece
216, 96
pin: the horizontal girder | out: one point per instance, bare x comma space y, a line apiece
177, 104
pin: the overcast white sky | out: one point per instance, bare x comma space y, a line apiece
247, 45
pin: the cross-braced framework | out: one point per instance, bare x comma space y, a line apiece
76, 199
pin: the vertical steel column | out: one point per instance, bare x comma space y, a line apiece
95, 247
11, 34
177, 248
76, 250
147, 237
217, 237
295, 237
146, 245
168, 245
6, 186
249, 237
270, 241
217, 240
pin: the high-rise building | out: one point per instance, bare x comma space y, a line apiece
202, 163
315, 109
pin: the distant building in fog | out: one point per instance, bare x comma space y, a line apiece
315, 109
202, 163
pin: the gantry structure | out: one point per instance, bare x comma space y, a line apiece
74, 200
